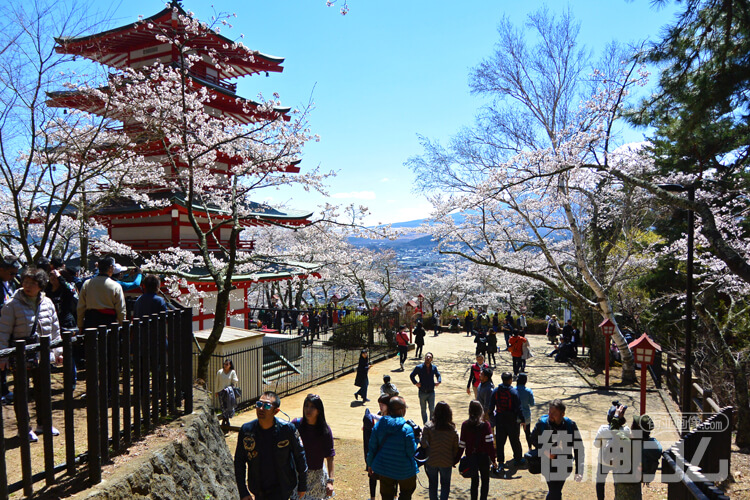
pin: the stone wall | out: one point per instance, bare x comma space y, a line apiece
187, 458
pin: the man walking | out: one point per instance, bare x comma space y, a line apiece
559, 443
391, 451
508, 420
269, 461
429, 379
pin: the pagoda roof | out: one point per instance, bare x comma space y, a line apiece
259, 214
113, 47
226, 101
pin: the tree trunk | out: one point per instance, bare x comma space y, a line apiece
220, 320
741, 396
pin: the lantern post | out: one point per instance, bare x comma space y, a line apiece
644, 351
608, 329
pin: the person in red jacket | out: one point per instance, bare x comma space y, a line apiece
402, 341
516, 350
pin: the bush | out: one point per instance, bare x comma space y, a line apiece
353, 331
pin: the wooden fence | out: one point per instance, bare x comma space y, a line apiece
137, 374
701, 400
704, 451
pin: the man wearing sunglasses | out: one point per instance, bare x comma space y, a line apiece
272, 451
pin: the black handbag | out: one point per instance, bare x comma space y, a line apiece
534, 460
468, 466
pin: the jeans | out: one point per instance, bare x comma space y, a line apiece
484, 472
403, 352
405, 487
555, 490
363, 390
445, 481
418, 352
426, 399
601, 478
517, 365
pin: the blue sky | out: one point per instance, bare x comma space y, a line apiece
384, 73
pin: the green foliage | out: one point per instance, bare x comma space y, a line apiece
352, 331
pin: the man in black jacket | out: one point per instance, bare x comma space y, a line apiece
273, 453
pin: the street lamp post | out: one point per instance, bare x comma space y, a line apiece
687, 379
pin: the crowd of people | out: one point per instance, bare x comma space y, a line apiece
395, 447
46, 297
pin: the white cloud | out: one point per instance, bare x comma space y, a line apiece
384, 179
359, 195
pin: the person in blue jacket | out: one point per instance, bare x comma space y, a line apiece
391, 452
270, 460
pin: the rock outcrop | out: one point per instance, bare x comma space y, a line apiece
187, 458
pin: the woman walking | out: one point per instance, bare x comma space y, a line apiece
402, 341
361, 380
441, 440
226, 381
318, 442
492, 346
477, 439
419, 335
474, 371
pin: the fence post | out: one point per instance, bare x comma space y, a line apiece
137, 384
44, 408
163, 369
177, 353
126, 387
104, 393
155, 379
21, 402
145, 370
113, 344
187, 352
3, 470
68, 382
92, 403
170, 363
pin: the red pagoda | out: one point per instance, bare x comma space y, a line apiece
138, 45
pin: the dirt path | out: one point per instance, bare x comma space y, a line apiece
453, 354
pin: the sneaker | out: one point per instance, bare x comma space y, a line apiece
33, 438
40, 430
366, 400
356, 396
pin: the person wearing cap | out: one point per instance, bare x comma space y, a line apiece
603, 441
9, 267
101, 300
625, 458
120, 274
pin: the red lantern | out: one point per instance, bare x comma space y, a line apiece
644, 351
608, 329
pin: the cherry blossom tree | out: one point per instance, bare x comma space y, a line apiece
529, 203
47, 156
214, 162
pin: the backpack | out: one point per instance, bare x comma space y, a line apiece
504, 401
470, 317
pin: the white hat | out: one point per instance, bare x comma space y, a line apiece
117, 268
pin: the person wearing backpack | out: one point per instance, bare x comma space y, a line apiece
603, 441
440, 439
391, 452
508, 419
559, 443
469, 321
